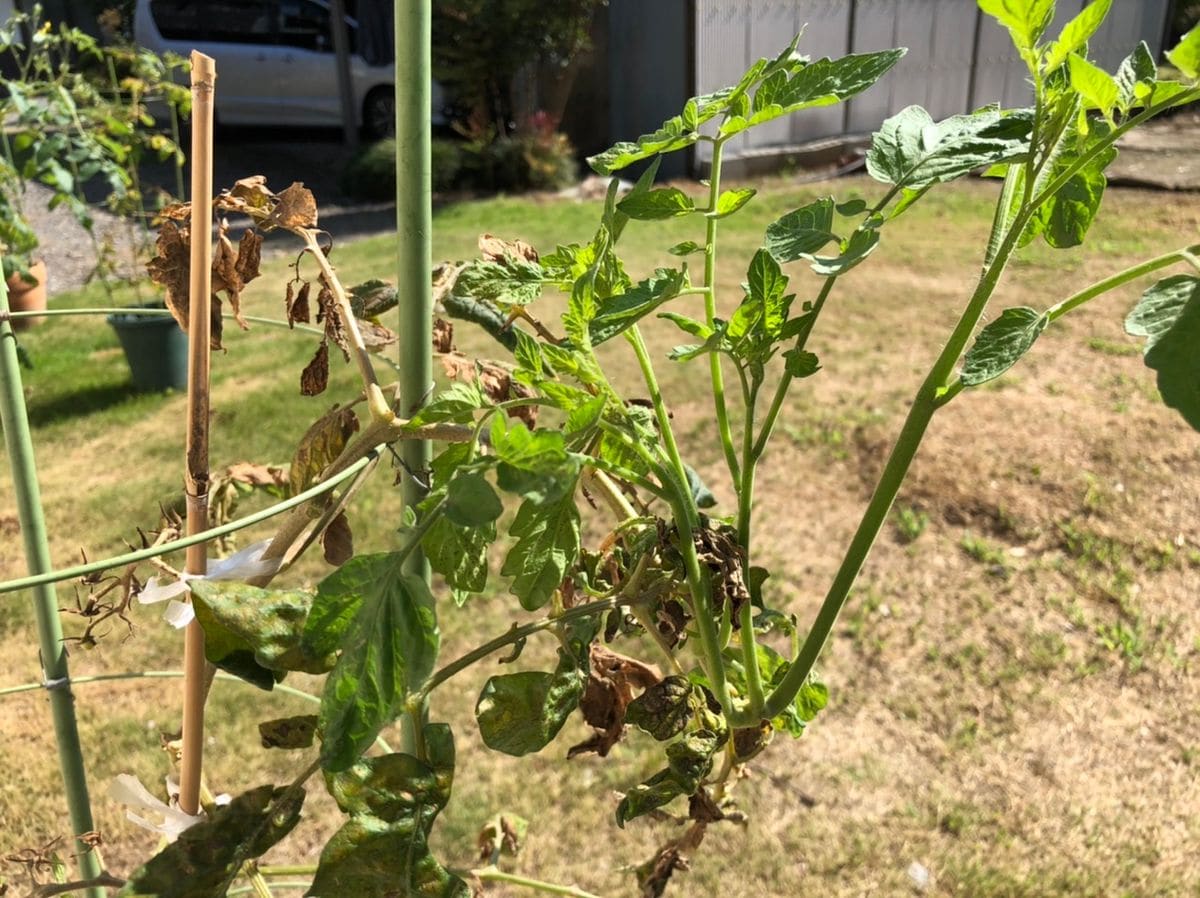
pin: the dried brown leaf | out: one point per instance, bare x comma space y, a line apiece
329, 314
249, 255
297, 306
257, 475
321, 444
493, 249
175, 212
457, 366
376, 337
295, 208
337, 542
250, 196
315, 376
612, 679
443, 335
169, 268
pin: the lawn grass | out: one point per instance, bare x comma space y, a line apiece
962, 733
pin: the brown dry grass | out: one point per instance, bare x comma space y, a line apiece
1014, 681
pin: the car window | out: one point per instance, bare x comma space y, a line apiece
305, 24
227, 21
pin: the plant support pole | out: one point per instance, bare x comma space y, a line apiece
414, 256
204, 78
55, 675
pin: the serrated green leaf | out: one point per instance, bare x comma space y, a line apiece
519, 714
1185, 56
1026, 20
853, 251
459, 554
533, 464
471, 501
1098, 88
1168, 316
1076, 33
672, 136
1001, 344
206, 858
688, 325
458, 403
1136, 76
689, 760
1064, 219
389, 648
618, 313
547, 541
686, 248
911, 151
664, 709
617, 220
656, 205
799, 363
264, 624
514, 281
801, 231
731, 200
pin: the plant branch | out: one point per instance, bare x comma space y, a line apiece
103, 881
492, 873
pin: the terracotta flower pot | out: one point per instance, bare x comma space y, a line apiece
26, 297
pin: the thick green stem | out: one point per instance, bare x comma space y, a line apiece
1120, 279
710, 313
15, 420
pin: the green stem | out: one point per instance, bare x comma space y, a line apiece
514, 634
1119, 279
246, 890
754, 683
710, 313
288, 870
81, 570
495, 874
14, 418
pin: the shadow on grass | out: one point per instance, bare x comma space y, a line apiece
80, 402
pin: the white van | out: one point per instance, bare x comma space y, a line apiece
275, 60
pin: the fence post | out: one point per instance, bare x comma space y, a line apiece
55, 674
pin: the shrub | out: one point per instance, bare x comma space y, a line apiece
371, 174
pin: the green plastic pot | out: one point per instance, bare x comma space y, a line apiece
156, 349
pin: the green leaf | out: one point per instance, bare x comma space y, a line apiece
854, 250
1065, 218
1076, 33
1098, 88
533, 464
853, 207
289, 732
656, 205
801, 231
689, 760
457, 403
547, 542
664, 709
383, 850
521, 713
471, 501
911, 151
618, 219
670, 137
1136, 76
1186, 54
1168, 316
701, 494
1026, 20
618, 313
687, 248
389, 649
459, 554
799, 363
1001, 344
248, 630
206, 858
688, 325
513, 281
731, 200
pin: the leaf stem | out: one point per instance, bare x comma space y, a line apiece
710, 313
493, 873
1119, 279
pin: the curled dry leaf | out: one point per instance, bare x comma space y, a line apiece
329, 314
321, 444
443, 335
257, 475
337, 542
612, 679
249, 255
376, 337
170, 266
493, 249
496, 381
315, 376
295, 208
297, 304
249, 196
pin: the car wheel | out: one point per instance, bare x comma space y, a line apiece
379, 113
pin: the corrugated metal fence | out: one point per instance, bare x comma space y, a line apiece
958, 59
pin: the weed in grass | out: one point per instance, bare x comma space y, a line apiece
909, 522
1108, 347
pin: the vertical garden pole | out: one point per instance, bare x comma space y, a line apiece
204, 78
414, 227
55, 675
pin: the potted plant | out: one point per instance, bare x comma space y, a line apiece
25, 277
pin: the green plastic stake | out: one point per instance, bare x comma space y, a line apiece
55, 676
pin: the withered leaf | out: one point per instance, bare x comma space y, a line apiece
663, 710
257, 475
289, 732
249, 255
249, 196
329, 313
337, 542
320, 445
297, 305
372, 298
493, 249
175, 212
612, 679
315, 376
376, 337
443, 335
295, 208
169, 268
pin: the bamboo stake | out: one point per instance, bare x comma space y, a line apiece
55, 674
414, 234
204, 77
